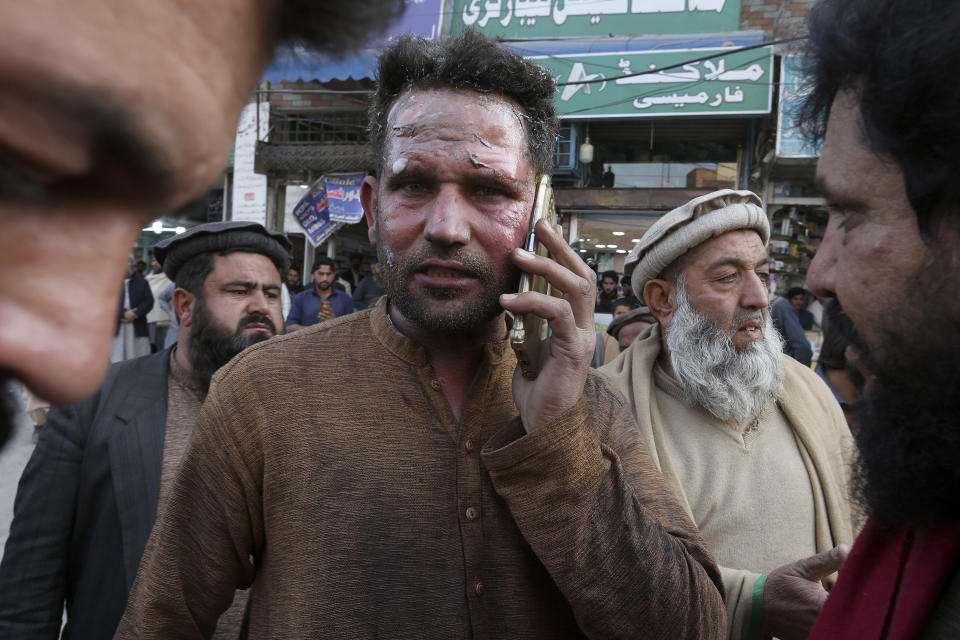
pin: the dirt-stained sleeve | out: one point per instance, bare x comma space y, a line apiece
592, 505
199, 550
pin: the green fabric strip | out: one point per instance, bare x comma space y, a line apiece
756, 608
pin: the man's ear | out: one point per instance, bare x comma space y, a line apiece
183, 304
368, 198
660, 296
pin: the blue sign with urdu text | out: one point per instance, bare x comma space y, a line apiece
313, 214
343, 196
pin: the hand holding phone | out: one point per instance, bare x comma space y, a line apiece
530, 332
552, 379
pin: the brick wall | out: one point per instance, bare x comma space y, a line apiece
776, 18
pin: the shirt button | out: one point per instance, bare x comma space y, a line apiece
435, 384
478, 588
468, 445
471, 513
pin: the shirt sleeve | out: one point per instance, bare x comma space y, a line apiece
296, 310
797, 345
188, 555
591, 504
347, 304
33, 575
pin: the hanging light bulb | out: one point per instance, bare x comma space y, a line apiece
586, 149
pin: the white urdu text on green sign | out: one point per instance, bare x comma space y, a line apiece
730, 82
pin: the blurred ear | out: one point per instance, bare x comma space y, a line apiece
660, 296
183, 304
368, 198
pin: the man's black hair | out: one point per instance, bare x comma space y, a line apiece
795, 291
613, 275
194, 272
899, 58
474, 63
324, 260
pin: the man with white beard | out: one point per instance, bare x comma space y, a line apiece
752, 442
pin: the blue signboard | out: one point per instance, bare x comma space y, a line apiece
421, 17
343, 196
313, 214
791, 143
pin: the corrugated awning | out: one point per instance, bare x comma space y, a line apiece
306, 66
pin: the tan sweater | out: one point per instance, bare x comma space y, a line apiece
382, 518
822, 444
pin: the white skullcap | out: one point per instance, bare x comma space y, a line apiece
691, 225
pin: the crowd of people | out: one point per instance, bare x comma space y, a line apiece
391, 471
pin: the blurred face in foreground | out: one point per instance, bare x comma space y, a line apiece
103, 126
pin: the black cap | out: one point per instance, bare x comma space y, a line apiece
215, 237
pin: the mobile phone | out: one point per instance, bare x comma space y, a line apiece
530, 332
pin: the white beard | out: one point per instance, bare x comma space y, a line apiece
732, 385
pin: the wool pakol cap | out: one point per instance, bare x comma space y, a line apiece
215, 237
691, 225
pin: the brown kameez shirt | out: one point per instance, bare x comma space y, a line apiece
375, 514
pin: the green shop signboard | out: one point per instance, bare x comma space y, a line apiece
551, 18
729, 82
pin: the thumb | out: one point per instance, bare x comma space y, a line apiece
822, 564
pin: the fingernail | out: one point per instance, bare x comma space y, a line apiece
506, 297
523, 253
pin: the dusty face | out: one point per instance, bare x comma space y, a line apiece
872, 252
454, 198
112, 112
727, 281
242, 294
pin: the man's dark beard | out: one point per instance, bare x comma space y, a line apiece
397, 274
212, 345
909, 431
909, 422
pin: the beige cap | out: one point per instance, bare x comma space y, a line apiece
691, 225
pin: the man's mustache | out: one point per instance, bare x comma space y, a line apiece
254, 319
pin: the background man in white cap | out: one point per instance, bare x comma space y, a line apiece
89, 495
752, 442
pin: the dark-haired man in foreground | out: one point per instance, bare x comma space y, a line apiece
105, 126
102, 468
458, 498
888, 169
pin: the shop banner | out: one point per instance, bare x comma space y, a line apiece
343, 196
790, 140
250, 187
730, 82
313, 214
552, 18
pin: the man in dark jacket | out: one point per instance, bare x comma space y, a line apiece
89, 495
